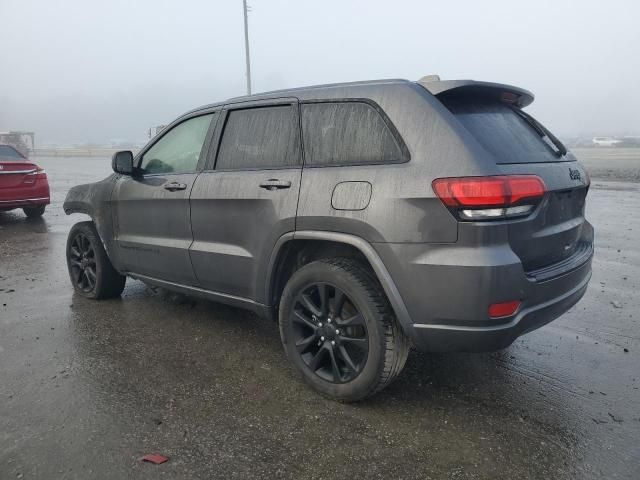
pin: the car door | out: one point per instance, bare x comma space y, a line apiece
241, 207
151, 209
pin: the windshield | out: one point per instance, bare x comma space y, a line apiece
9, 152
508, 133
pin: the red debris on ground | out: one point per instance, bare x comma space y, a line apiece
154, 458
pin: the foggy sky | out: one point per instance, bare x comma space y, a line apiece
94, 71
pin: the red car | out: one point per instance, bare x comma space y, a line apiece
23, 184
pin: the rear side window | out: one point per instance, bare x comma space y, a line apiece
510, 136
347, 133
9, 152
260, 137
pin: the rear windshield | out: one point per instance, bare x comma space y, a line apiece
9, 152
509, 134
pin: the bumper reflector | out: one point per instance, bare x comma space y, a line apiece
504, 309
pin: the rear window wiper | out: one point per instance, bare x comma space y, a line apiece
548, 137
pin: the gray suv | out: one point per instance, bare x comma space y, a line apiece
364, 217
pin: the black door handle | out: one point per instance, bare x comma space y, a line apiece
173, 186
275, 184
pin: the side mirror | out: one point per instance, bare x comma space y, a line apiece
122, 162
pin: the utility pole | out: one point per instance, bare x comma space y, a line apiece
246, 46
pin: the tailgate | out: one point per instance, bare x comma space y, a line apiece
556, 230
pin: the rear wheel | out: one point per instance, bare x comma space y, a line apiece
31, 212
339, 330
90, 269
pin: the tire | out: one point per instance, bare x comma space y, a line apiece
90, 270
361, 313
33, 212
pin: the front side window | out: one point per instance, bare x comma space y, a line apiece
343, 133
260, 137
178, 151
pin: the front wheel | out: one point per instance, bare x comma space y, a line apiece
90, 269
339, 331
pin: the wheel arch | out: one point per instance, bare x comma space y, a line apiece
82, 198
93, 200
86, 209
283, 263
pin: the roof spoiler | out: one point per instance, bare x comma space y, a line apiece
504, 93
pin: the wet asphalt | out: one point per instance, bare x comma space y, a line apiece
87, 388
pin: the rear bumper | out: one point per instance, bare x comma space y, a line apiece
29, 193
447, 289
448, 338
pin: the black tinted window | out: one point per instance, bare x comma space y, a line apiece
503, 132
9, 152
346, 133
261, 137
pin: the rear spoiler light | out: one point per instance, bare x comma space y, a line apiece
490, 198
516, 96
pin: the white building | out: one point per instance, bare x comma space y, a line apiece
605, 141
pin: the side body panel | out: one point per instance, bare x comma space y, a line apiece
237, 220
152, 228
236, 225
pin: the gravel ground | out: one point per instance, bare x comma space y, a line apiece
621, 164
87, 388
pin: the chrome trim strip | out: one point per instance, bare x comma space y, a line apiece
11, 172
25, 200
201, 292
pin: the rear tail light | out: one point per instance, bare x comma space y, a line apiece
32, 177
489, 198
504, 309
38, 174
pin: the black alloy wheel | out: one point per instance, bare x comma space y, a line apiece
90, 270
82, 263
339, 330
330, 333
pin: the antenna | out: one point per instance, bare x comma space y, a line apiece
246, 44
